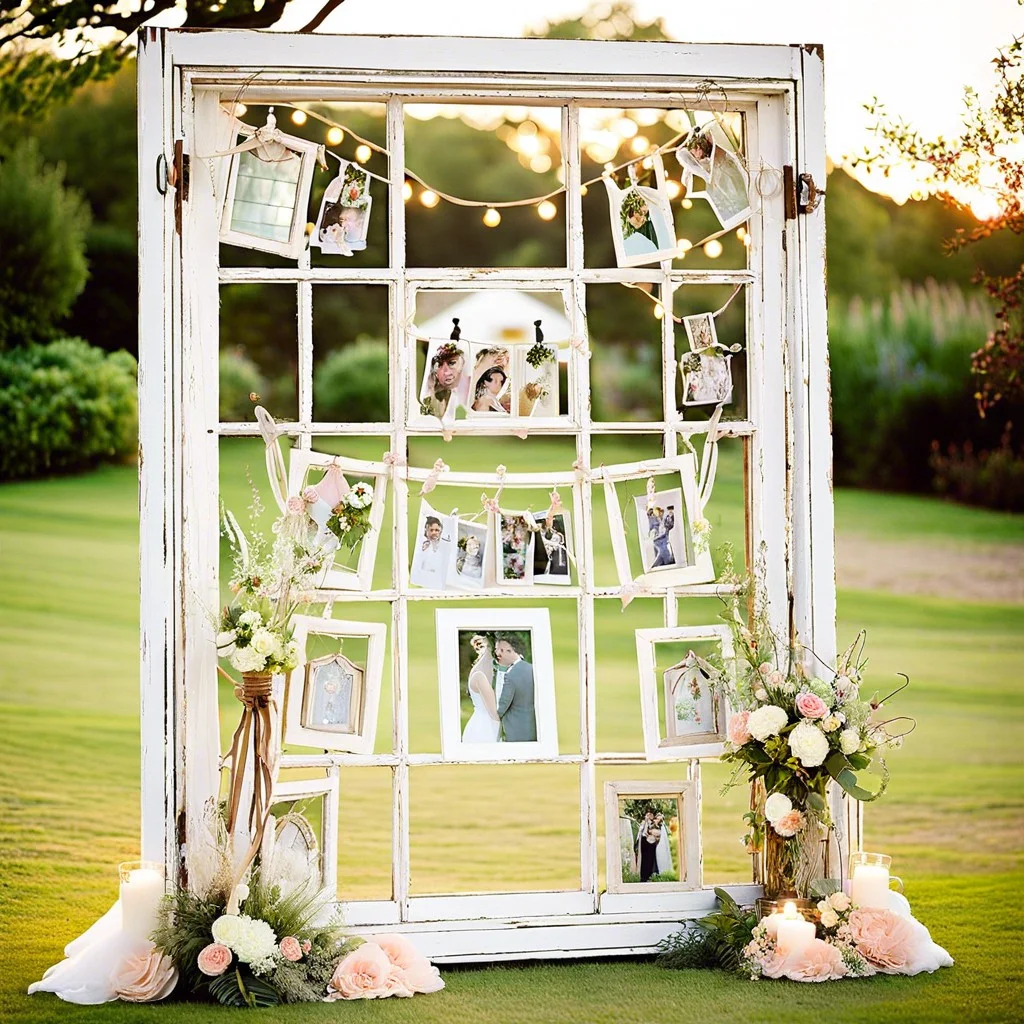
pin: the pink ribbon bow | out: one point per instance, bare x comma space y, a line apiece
431, 481
580, 345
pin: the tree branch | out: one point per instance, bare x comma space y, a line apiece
325, 12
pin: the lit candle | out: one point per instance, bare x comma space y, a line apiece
794, 933
142, 888
869, 886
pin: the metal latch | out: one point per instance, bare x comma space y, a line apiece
810, 194
800, 195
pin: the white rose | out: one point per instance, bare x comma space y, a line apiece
830, 723
225, 929
840, 901
777, 805
849, 741
247, 659
264, 641
250, 619
829, 918
808, 743
226, 643
766, 721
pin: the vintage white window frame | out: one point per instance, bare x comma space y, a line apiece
183, 76
652, 693
361, 742
325, 790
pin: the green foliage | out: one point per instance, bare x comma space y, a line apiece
351, 385
616, 20
238, 986
42, 247
689, 948
993, 478
729, 929
240, 377
183, 933
64, 407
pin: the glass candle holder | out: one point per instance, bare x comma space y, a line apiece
142, 888
870, 879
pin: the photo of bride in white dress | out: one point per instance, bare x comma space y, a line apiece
484, 723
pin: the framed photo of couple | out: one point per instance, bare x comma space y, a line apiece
496, 679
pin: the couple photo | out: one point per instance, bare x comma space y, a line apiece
663, 526
500, 688
645, 829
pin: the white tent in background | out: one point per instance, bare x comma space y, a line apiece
493, 315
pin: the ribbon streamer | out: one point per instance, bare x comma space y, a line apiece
432, 477
271, 434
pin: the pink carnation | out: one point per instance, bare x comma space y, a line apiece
819, 961
296, 505
418, 972
214, 959
883, 938
291, 948
364, 974
737, 730
789, 824
810, 705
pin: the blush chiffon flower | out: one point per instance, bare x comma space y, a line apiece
818, 961
145, 977
883, 938
364, 974
419, 973
738, 731
214, 959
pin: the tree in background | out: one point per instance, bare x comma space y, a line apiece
984, 156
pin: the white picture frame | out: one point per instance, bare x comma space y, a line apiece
654, 208
451, 625
686, 842
459, 387
726, 182
360, 740
346, 235
302, 462
664, 531
700, 331
293, 790
655, 692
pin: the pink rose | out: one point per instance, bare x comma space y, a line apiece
214, 959
737, 730
296, 505
291, 949
419, 974
819, 961
810, 705
883, 938
145, 977
306, 945
789, 824
310, 495
364, 974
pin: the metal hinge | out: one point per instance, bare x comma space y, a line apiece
178, 180
800, 195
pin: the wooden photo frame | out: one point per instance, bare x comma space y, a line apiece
345, 719
515, 725
679, 842
294, 827
701, 733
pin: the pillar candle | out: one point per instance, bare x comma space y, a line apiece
869, 886
141, 893
794, 932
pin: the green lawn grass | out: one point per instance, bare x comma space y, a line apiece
69, 788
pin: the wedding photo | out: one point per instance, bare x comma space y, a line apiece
466, 567
552, 546
496, 678
641, 213
725, 180
491, 381
344, 212
700, 331
664, 530
515, 553
432, 547
707, 379
444, 382
649, 839
537, 379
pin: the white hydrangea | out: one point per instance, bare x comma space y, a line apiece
264, 641
778, 805
251, 940
849, 741
808, 744
788, 688
248, 659
226, 643
361, 496
829, 918
766, 721
251, 619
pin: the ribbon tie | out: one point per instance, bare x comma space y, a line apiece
431, 481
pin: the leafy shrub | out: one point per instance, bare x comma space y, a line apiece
239, 378
64, 407
994, 478
42, 247
351, 384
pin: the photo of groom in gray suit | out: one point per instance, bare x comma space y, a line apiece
515, 696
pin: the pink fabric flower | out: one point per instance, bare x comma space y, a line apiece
364, 974
737, 730
789, 824
420, 975
214, 959
291, 949
775, 965
810, 705
883, 938
145, 977
310, 495
819, 961
296, 505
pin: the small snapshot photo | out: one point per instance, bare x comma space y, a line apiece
707, 378
445, 380
433, 547
344, 212
516, 532
537, 380
700, 331
641, 213
496, 674
491, 388
466, 566
552, 545
725, 179
650, 836
664, 530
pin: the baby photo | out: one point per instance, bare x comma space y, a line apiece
432, 548
344, 212
663, 530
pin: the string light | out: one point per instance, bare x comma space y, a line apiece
673, 188
741, 233
335, 136
407, 190
583, 190
713, 249
492, 218
240, 109
429, 199
659, 311
363, 153
541, 163
686, 204
625, 127
640, 144
685, 244
547, 210
298, 117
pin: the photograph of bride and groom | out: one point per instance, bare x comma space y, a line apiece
497, 703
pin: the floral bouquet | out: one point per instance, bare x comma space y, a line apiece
795, 733
350, 518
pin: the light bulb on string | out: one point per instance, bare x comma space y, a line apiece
541, 163
673, 188
240, 109
298, 117
406, 190
583, 190
363, 153
639, 144
335, 136
713, 249
648, 163
429, 199
492, 218
686, 204
741, 233
659, 311
547, 210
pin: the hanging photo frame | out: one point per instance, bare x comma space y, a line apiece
726, 182
516, 535
344, 218
690, 693
333, 700
553, 548
433, 548
301, 840
643, 228
323, 483
707, 377
445, 376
